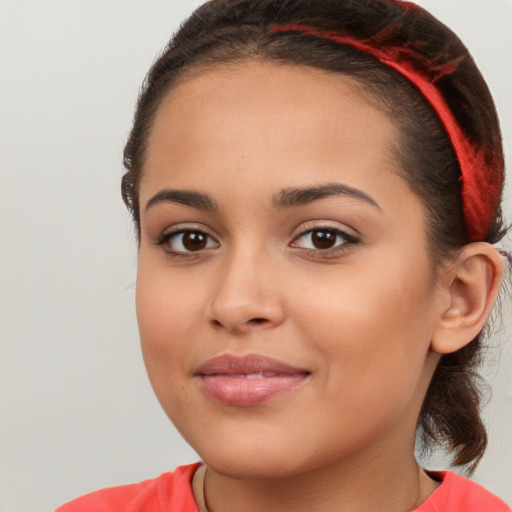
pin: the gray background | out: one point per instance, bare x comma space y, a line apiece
77, 412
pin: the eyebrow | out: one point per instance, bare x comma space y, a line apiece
291, 197
286, 198
191, 198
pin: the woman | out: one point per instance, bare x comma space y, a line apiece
316, 190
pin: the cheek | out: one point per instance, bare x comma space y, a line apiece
167, 302
373, 343
167, 313
167, 316
369, 320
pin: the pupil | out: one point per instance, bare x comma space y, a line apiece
323, 239
194, 241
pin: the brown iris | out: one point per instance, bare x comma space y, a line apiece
194, 240
323, 239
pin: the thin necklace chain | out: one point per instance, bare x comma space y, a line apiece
205, 504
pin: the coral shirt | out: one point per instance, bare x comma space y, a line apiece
172, 492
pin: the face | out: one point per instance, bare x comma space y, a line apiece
285, 295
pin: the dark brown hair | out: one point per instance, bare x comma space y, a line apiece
227, 31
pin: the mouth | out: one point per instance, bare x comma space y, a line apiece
248, 380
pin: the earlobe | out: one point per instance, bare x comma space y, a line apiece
471, 285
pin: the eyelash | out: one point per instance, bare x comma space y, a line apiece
348, 241
167, 237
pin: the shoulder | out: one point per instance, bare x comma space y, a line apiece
169, 492
459, 494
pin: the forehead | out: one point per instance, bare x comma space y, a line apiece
251, 110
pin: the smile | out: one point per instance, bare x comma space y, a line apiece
248, 380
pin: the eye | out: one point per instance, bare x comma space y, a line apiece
186, 241
323, 239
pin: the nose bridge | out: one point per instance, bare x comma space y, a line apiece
246, 295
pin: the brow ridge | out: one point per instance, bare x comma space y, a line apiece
191, 198
292, 197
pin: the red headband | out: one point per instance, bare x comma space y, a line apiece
480, 188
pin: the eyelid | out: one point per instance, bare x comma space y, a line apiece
318, 225
349, 237
181, 228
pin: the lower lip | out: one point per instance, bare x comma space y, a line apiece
243, 391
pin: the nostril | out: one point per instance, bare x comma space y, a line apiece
257, 320
253, 321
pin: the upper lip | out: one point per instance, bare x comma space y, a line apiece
227, 364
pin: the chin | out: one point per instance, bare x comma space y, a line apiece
253, 455
254, 467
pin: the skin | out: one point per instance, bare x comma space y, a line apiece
360, 316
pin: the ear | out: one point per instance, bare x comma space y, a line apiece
469, 289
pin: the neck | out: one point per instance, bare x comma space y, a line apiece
384, 485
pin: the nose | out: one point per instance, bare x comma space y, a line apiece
247, 295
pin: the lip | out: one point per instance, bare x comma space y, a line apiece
248, 380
